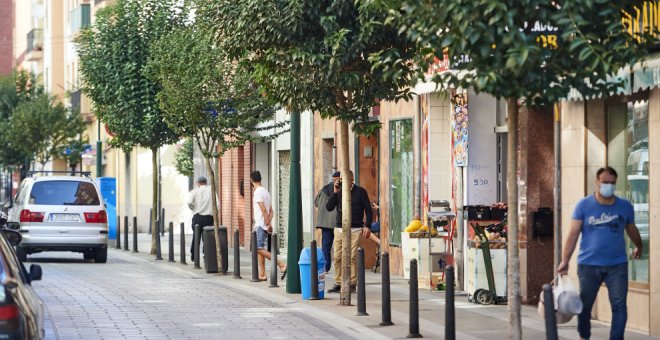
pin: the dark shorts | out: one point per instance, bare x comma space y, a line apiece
262, 238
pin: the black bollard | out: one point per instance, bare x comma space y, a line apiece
253, 251
151, 221
237, 255
273, 263
313, 271
361, 289
125, 232
450, 312
170, 249
182, 241
118, 233
159, 254
162, 222
386, 303
196, 239
135, 235
413, 329
550, 317
224, 250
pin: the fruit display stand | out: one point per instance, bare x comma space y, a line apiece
486, 270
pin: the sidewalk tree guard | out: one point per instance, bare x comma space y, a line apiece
311, 55
113, 56
502, 48
207, 98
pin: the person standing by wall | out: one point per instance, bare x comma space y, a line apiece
263, 217
602, 218
201, 204
326, 220
361, 216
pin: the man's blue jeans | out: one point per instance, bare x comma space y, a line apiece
327, 238
616, 279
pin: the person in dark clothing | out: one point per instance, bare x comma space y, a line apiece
361, 217
326, 220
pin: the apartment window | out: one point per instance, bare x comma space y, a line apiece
628, 154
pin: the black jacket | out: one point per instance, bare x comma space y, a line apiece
360, 207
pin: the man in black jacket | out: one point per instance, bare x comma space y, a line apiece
361, 217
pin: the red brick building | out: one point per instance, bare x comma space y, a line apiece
6, 36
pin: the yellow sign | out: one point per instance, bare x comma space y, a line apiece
645, 19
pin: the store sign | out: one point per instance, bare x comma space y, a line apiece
645, 19
459, 128
547, 36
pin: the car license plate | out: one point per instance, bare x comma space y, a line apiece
64, 218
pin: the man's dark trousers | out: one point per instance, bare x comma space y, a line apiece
327, 238
202, 221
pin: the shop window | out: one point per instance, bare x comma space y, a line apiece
628, 154
401, 178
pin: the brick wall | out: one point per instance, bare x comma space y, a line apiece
6, 36
236, 209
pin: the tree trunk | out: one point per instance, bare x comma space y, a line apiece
214, 190
154, 201
513, 268
345, 295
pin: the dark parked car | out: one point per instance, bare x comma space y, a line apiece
21, 309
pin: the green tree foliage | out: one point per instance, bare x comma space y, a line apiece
206, 97
314, 55
494, 47
45, 128
184, 158
113, 57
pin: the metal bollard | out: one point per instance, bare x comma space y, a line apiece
237, 255
550, 317
151, 221
196, 239
135, 235
450, 312
159, 254
118, 233
413, 329
224, 251
386, 298
125, 232
162, 222
361, 289
253, 251
313, 271
170, 249
182, 241
273, 268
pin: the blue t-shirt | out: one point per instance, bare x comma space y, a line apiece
603, 226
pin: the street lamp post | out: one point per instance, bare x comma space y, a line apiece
99, 152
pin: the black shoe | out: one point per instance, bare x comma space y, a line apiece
335, 289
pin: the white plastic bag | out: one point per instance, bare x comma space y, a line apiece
567, 298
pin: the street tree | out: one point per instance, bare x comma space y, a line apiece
314, 55
496, 47
183, 159
15, 88
113, 57
208, 98
45, 128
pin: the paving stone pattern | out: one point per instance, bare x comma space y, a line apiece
140, 300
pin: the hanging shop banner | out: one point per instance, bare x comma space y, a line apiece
426, 122
459, 128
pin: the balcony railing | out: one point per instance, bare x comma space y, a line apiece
81, 17
35, 40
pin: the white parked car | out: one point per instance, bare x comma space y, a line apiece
60, 213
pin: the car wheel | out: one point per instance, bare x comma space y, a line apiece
21, 253
101, 255
88, 255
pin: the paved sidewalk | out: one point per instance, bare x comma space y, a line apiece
472, 321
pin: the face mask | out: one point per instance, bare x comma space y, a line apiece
606, 190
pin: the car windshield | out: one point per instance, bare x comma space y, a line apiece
64, 193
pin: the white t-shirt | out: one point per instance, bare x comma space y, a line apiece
260, 195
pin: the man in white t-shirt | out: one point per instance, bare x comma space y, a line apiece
263, 216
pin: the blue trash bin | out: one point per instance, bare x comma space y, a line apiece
304, 263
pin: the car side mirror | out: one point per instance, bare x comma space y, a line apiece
13, 225
35, 272
14, 237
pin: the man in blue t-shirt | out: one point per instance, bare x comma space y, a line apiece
602, 219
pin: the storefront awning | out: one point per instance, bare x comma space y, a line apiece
622, 75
